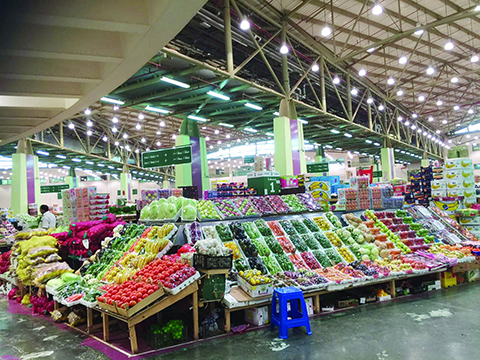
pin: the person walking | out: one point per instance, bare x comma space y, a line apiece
48, 219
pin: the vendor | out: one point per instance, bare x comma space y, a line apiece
48, 219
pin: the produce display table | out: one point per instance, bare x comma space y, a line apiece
157, 307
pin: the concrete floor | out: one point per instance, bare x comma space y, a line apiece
438, 325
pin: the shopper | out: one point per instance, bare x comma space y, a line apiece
48, 219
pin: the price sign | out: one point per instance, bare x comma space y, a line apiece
167, 157
317, 168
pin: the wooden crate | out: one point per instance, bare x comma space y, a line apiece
130, 311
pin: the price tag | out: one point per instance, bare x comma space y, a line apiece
86, 243
362, 300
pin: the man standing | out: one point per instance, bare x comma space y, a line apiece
48, 219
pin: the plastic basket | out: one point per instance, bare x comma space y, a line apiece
207, 262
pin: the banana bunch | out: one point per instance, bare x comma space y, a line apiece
127, 259
124, 275
140, 244
154, 247
164, 230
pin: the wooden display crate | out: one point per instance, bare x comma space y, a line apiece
130, 311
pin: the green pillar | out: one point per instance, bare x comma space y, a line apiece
301, 148
72, 179
166, 184
387, 158
183, 172
425, 163
126, 183
283, 146
320, 154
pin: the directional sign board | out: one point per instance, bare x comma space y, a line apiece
45, 189
166, 157
317, 168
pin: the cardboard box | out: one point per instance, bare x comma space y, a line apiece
318, 185
455, 164
441, 193
257, 316
454, 185
439, 184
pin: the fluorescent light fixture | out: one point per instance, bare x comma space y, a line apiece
328, 147
419, 32
276, 113
348, 135
253, 106
175, 82
218, 96
44, 153
269, 134
376, 144
303, 121
66, 167
444, 122
334, 131
87, 112
112, 101
370, 50
400, 93
245, 24
368, 141
454, 80
76, 160
226, 125
250, 130
61, 156
336, 80
101, 165
338, 149
197, 118
89, 162
356, 152
381, 107
158, 110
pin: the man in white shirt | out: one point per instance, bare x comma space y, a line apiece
48, 219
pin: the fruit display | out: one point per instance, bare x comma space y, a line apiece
248, 247
322, 240
370, 252
273, 244
209, 232
238, 231
346, 254
394, 265
284, 262
333, 256
297, 261
323, 223
334, 220
254, 277
322, 258
311, 225
310, 241
278, 205
252, 231
189, 209
245, 206
193, 232
287, 227
207, 210
262, 247
310, 260
241, 264
275, 227
332, 274
271, 264
298, 242
224, 232
211, 247
256, 263
227, 209
169, 274
262, 205
299, 226
333, 238
309, 201
349, 270
235, 250
5, 262
286, 244
294, 203
128, 294
263, 228
345, 236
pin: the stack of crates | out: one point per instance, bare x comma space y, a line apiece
448, 279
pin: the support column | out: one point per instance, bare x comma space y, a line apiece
320, 156
73, 180
196, 173
25, 178
166, 184
283, 146
388, 163
228, 36
126, 183
424, 161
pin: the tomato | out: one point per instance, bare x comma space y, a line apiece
101, 298
150, 292
109, 301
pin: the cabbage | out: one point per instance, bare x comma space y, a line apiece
145, 213
154, 210
189, 212
189, 202
161, 201
162, 211
69, 277
54, 283
172, 199
179, 202
171, 211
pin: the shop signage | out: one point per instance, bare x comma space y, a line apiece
317, 168
476, 166
46, 189
475, 147
377, 174
166, 157
249, 159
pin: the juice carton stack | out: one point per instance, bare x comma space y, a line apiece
376, 197
363, 194
98, 205
348, 197
460, 180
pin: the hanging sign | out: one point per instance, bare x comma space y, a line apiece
166, 157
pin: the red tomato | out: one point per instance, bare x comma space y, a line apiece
150, 292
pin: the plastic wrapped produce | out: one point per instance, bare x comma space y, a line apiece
207, 210
334, 220
248, 247
322, 240
297, 261
277, 204
286, 244
275, 227
309, 201
294, 204
224, 232
227, 208
263, 228
257, 264
310, 260
271, 264
287, 227
311, 242
262, 247
310, 224
298, 242
245, 206
323, 259
284, 262
299, 226
333, 256
262, 205
251, 230
273, 244
241, 264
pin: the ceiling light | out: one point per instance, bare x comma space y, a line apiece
419, 131
105, 138
219, 142
368, 141
216, 132
348, 135
228, 136
429, 136
116, 107
419, 32
125, 136
370, 50
424, 133
226, 125
197, 118
400, 118
143, 140
326, 31
89, 123
336, 80
449, 141
87, 112
61, 156
112, 101
174, 136
250, 130
245, 24
430, 119
268, 134
158, 110
354, 92
414, 115
369, 101
89, 133
458, 125
207, 138
284, 49
89, 162
444, 122
376, 144
71, 126
175, 82
116, 143
470, 111
468, 136
399, 92
141, 116
449, 46
477, 8
137, 151
403, 60
456, 108
407, 123
218, 96
138, 127
362, 72
44, 153
430, 70
147, 149
454, 80
334, 131
158, 143
114, 129
474, 58
413, 127
115, 120
276, 113
158, 132
315, 67
253, 106
391, 81
377, 9
76, 160
302, 121
421, 98
381, 107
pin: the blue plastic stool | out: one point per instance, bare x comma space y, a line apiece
285, 319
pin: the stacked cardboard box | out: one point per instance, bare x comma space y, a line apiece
460, 180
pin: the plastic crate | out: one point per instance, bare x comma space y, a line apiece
213, 287
206, 262
162, 340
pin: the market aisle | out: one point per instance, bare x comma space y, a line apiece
438, 325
